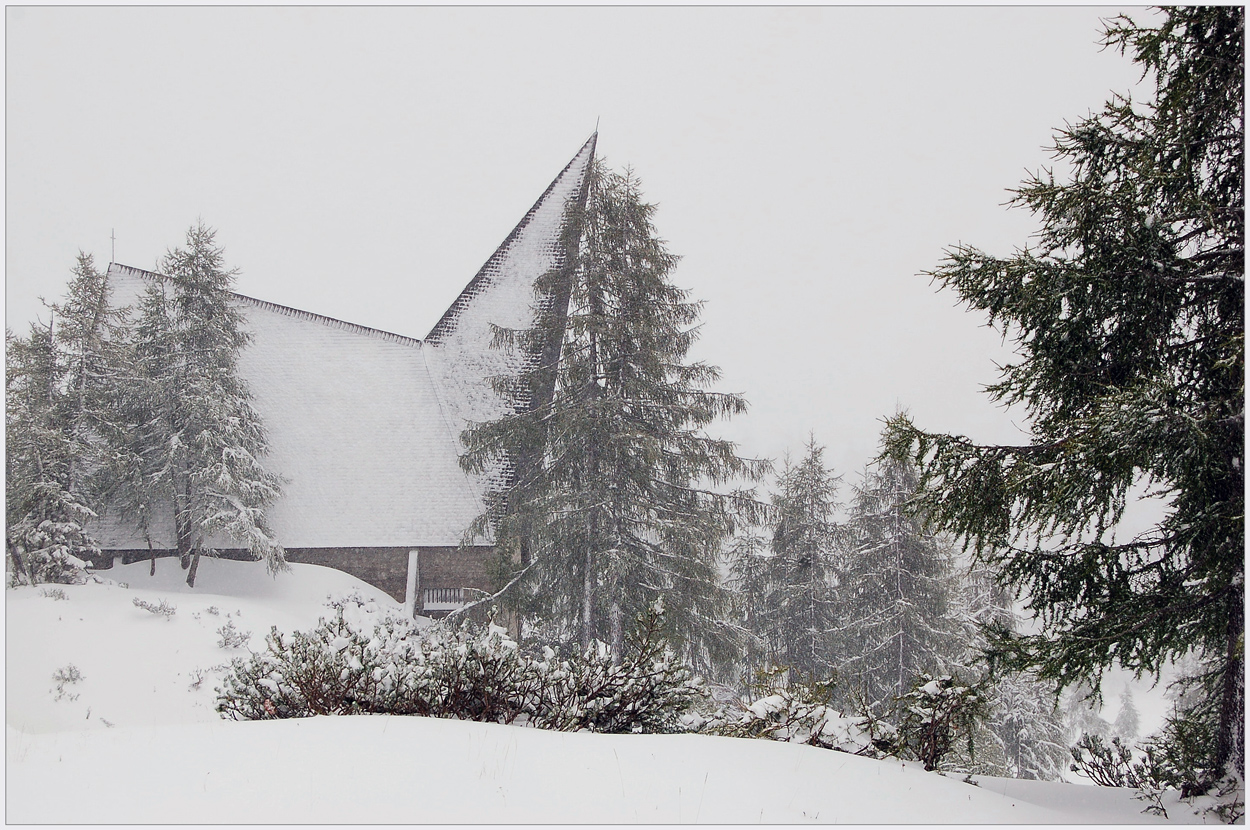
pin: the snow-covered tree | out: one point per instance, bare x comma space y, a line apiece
898, 591
1023, 733
90, 337
615, 499
1081, 710
44, 514
801, 611
748, 558
1127, 313
1024, 717
1126, 724
59, 384
196, 442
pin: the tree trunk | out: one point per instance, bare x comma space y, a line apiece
588, 599
1230, 749
195, 566
616, 624
182, 527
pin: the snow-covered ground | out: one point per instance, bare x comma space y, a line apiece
136, 740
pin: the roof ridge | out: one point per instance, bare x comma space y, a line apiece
332, 322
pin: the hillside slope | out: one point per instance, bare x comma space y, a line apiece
135, 739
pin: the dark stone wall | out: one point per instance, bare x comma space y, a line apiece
385, 568
455, 567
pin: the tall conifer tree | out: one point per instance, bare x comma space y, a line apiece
60, 382
620, 506
801, 609
898, 591
1128, 316
196, 440
749, 564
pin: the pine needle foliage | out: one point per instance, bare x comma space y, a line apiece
615, 496
1128, 317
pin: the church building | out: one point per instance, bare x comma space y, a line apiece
364, 425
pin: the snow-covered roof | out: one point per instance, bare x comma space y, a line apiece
355, 428
363, 424
461, 356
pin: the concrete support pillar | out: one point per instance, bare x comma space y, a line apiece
412, 589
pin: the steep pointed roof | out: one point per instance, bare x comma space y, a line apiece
530, 250
463, 359
364, 424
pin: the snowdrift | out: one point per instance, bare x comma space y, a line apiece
136, 740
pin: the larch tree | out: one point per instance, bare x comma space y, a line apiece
801, 608
44, 514
897, 591
617, 495
1127, 314
59, 384
196, 443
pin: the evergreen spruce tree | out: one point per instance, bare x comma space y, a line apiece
58, 386
1126, 724
614, 498
1024, 731
1081, 707
1025, 720
196, 442
749, 571
44, 513
898, 591
1128, 315
802, 572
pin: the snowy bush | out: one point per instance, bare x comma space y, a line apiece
648, 690
231, 637
936, 713
803, 713
160, 609
54, 593
468, 673
1152, 770
1113, 765
66, 676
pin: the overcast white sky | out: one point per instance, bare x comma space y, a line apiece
809, 163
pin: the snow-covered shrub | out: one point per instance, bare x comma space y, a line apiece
331, 670
54, 593
160, 609
67, 675
50, 551
802, 712
936, 713
468, 673
1114, 765
647, 690
231, 637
